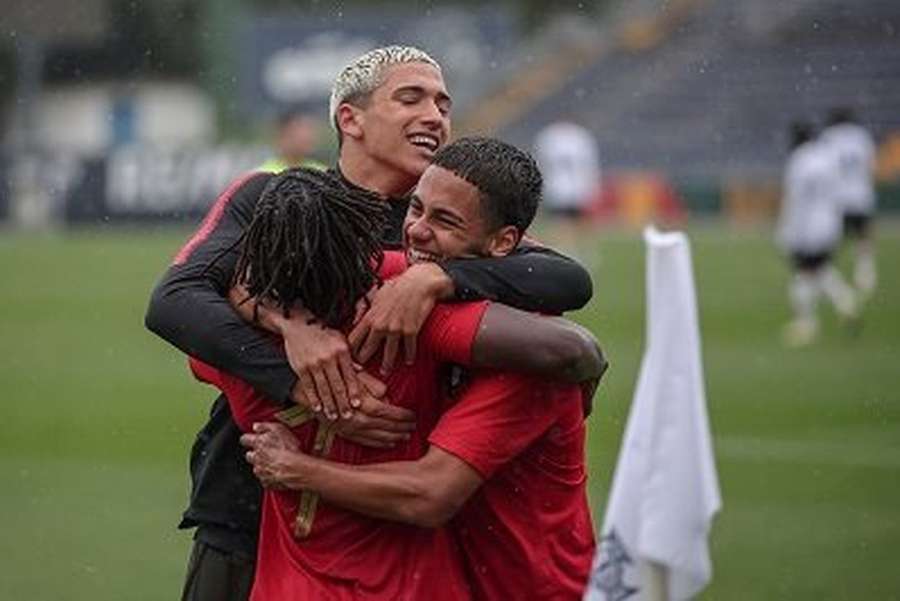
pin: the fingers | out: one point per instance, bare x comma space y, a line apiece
338, 389
358, 336
376, 439
324, 393
263, 427
393, 426
365, 441
306, 386
376, 408
369, 346
409, 345
371, 384
391, 344
348, 373
376, 431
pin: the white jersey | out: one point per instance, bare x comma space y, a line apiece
854, 158
567, 156
811, 218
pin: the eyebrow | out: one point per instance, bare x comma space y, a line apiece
442, 97
447, 214
440, 212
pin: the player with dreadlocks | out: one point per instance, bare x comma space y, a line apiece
340, 552
311, 236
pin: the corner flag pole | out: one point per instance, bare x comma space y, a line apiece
655, 580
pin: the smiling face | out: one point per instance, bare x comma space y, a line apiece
403, 122
445, 220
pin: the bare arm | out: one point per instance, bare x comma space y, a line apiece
426, 492
550, 347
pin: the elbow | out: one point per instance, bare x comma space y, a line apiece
582, 288
579, 357
164, 317
431, 505
154, 317
433, 512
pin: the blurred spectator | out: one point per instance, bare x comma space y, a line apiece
296, 138
854, 154
567, 155
809, 229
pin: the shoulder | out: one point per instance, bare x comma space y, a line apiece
528, 390
394, 264
248, 187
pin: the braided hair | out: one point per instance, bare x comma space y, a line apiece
315, 241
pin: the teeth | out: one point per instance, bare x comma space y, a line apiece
427, 141
418, 256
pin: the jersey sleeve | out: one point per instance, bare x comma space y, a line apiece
246, 404
532, 278
497, 417
189, 306
450, 330
393, 265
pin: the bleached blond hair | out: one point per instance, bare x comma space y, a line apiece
356, 82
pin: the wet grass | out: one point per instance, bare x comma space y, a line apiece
100, 416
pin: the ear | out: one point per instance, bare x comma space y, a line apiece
504, 241
349, 120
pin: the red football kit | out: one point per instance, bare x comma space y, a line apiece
526, 533
310, 549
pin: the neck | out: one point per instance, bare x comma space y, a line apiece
366, 172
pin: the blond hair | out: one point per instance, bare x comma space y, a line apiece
356, 82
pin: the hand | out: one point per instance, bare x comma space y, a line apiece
326, 378
398, 310
271, 447
376, 423
319, 356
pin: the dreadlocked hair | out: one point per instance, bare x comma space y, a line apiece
315, 241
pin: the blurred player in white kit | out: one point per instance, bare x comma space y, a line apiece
809, 230
567, 155
854, 154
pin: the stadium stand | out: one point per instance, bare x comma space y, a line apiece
713, 96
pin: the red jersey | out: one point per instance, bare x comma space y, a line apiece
310, 549
527, 532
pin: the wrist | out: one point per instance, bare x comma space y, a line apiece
300, 468
438, 283
297, 319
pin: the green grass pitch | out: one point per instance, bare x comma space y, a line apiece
99, 416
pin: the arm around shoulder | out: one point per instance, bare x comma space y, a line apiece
426, 492
551, 347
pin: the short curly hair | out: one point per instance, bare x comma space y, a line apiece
507, 178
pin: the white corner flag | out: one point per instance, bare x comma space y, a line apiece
665, 491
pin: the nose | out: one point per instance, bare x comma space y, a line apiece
418, 230
433, 117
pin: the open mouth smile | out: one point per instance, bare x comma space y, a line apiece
427, 142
